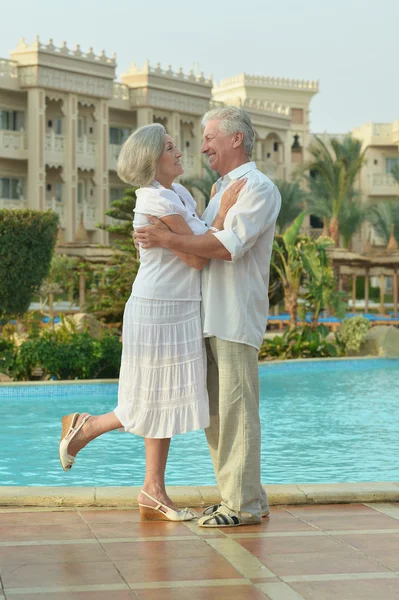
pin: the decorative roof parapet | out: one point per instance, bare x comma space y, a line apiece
8, 68
265, 106
272, 82
49, 48
255, 104
147, 69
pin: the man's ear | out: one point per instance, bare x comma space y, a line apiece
238, 139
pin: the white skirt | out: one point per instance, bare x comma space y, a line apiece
162, 381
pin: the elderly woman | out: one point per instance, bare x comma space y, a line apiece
162, 383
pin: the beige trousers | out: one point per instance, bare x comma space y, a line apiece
234, 433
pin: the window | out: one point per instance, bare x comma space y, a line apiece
391, 164
58, 192
115, 194
11, 188
275, 146
58, 125
12, 120
118, 135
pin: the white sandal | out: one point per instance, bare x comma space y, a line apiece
67, 435
161, 512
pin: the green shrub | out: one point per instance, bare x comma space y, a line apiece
27, 240
62, 354
353, 333
302, 342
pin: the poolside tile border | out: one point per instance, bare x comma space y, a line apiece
126, 497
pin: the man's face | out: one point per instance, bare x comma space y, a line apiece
218, 147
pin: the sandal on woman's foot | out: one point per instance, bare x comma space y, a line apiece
161, 512
67, 435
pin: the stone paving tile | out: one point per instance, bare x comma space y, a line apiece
261, 547
371, 521
135, 530
110, 516
43, 554
157, 551
241, 592
171, 568
306, 563
97, 595
33, 519
329, 509
371, 589
382, 547
45, 532
59, 574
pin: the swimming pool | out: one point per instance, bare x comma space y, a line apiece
322, 421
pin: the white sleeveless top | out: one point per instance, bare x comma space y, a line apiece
162, 275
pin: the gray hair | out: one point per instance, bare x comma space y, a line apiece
232, 120
137, 161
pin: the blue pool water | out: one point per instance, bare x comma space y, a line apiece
322, 421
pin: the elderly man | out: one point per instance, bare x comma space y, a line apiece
235, 306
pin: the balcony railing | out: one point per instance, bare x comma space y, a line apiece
383, 180
54, 143
13, 141
12, 204
86, 146
57, 207
90, 219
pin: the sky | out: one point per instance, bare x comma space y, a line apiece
350, 46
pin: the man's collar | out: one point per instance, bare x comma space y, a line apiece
240, 171
236, 173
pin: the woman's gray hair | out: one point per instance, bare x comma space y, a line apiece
232, 120
137, 161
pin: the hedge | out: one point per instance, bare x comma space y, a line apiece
27, 240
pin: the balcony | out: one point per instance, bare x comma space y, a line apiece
13, 144
382, 184
90, 219
188, 162
57, 207
86, 153
12, 204
113, 153
54, 147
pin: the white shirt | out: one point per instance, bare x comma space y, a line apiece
162, 275
235, 294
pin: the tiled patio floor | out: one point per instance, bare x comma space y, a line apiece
317, 552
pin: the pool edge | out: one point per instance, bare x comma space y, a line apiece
125, 497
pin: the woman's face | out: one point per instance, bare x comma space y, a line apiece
169, 166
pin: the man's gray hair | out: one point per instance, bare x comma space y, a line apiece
137, 161
232, 120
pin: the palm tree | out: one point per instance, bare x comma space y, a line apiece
384, 217
292, 203
395, 173
332, 177
203, 184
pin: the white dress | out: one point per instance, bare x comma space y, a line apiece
162, 381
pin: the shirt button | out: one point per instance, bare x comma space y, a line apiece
206, 224
193, 214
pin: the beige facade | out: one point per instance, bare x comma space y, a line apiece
376, 183
63, 119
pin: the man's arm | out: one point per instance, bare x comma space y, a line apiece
159, 235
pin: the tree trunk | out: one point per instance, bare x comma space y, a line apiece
334, 230
291, 305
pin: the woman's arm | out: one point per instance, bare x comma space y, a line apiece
177, 224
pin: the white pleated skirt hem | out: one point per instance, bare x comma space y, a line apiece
162, 383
